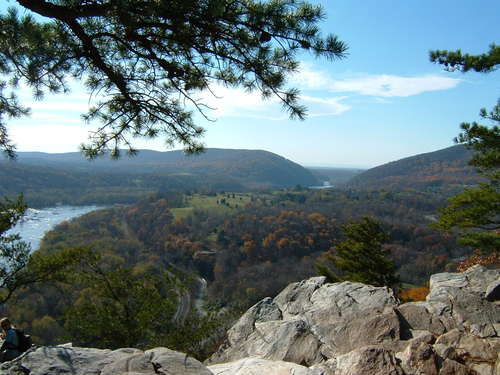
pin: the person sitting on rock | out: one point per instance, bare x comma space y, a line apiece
9, 349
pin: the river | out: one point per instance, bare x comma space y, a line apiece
36, 223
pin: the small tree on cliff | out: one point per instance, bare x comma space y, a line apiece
361, 256
118, 307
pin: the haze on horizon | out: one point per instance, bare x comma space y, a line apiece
384, 102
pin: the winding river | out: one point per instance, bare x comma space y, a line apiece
37, 222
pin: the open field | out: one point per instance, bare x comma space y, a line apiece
222, 203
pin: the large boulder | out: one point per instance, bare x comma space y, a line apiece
352, 328
311, 321
462, 299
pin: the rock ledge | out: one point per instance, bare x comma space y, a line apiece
318, 328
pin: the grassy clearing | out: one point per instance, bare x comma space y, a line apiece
223, 203
181, 212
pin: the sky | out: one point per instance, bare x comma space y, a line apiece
383, 102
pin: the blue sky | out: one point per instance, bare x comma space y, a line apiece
385, 101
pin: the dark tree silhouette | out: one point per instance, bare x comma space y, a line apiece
145, 61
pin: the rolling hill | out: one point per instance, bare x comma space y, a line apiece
445, 170
215, 169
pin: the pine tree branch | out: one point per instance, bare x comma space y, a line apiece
60, 12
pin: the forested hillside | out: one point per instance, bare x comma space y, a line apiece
68, 178
246, 245
445, 171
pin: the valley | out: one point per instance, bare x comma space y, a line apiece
230, 247
249, 187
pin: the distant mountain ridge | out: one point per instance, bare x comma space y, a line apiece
155, 161
218, 169
446, 170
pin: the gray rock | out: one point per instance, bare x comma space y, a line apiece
317, 324
59, 360
313, 321
460, 298
289, 340
317, 328
492, 293
55, 360
451, 367
419, 358
369, 360
296, 297
346, 315
133, 364
263, 311
416, 316
257, 366
368, 328
474, 352
166, 361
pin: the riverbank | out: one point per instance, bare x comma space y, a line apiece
37, 222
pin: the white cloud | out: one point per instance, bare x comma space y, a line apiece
239, 103
49, 138
380, 85
53, 112
227, 101
394, 86
79, 106
325, 106
308, 78
317, 86
40, 117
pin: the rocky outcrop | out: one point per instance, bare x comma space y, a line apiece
86, 361
351, 328
311, 321
318, 328
258, 366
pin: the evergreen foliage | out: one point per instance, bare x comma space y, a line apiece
145, 62
14, 253
361, 257
118, 307
455, 60
475, 211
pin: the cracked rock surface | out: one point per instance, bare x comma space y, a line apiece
351, 328
59, 360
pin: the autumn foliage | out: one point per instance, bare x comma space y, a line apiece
484, 260
414, 294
